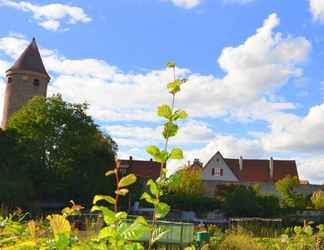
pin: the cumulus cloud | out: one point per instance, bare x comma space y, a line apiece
50, 16
317, 9
187, 4
264, 62
290, 132
254, 70
191, 133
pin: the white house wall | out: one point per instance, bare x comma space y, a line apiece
217, 161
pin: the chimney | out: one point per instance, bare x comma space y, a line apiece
241, 163
271, 167
197, 162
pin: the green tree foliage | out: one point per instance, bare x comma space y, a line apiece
246, 202
318, 200
186, 181
289, 197
67, 155
15, 186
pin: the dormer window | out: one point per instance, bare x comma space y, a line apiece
36, 82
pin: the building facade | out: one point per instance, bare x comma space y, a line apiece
24, 80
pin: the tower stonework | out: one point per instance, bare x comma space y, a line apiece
24, 80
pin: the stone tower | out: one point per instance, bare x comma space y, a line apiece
24, 80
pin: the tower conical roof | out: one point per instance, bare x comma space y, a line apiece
30, 60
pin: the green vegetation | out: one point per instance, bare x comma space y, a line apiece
248, 202
56, 151
289, 197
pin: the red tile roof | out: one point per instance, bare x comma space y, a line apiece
259, 170
146, 169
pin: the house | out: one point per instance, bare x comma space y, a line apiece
143, 169
223, 171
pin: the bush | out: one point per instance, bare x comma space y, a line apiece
241, 202
239, 240
318, 199
198, 204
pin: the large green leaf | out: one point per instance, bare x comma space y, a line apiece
107, 232
110, 172
109, 216
162, 209
107, 198
122, 191
179, 114
174, 87
164, 111
148, 198
153, 150
162, 157
176, 154
170, 130
127, 180
154, 188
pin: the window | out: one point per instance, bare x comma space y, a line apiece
122, 171
219, 172
36, 82
9, 80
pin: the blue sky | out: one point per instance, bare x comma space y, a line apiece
254, 67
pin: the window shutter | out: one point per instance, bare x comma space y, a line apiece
221, 172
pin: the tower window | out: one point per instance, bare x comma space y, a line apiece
36, 82
9, 80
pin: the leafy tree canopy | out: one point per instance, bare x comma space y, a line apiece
289, 197
66, 152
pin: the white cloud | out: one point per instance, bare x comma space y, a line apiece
317, 9
264, 62
50, 16
293, 133
190, 133
254, 71
311, 168
187, 4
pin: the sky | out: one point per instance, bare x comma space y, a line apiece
254, 68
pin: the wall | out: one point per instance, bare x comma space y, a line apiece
20, 90
217, 161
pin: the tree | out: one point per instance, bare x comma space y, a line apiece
318, 199
186, 181
15, 186
289, 197
241, 202
66, 152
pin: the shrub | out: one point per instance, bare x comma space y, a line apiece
241, 202
289, 197
318, 199
239, 240
198, 204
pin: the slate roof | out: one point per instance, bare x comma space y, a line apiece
255, 170
146, 169
30, 60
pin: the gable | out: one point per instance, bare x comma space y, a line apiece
217, 169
